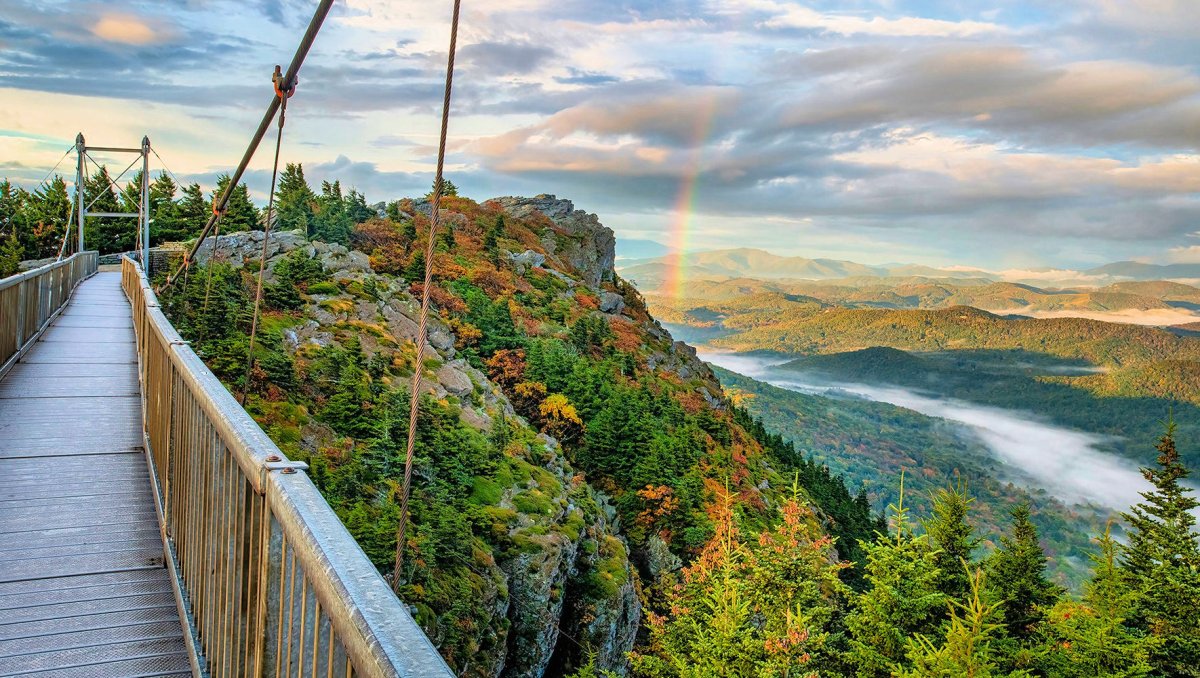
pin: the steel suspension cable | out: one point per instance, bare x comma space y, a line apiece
418, 369
262, 261
55, 168
66, 232
288, 83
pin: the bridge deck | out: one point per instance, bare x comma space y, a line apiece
83, 587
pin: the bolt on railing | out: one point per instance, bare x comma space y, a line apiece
270, 579
30, 300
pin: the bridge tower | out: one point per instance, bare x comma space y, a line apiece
143, 213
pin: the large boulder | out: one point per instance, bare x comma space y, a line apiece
580, 240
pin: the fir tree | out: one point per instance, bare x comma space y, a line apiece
1017, 575
1091, 638
294, 200
240, 212
1161, 563
952, 537
448, 241
901, 598
409, 234
968, 649
414, 273
10, 254
192, 213
331, 222
166, 225
491, 240
106, 234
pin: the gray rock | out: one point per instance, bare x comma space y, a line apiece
613, 303
454, 379
659, 559
528, 258
586, 244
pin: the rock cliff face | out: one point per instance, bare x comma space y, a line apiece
576, 237
569, 571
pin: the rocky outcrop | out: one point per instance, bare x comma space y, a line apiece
579, 240
567, 570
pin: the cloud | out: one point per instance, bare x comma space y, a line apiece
504, 58
999, 88
129, 30
791, 15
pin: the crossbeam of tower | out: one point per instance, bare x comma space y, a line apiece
143, 213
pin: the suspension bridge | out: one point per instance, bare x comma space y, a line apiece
148, 526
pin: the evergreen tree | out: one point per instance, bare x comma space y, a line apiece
106, 234
331, 222
131, 195
43, 217
448, 189
166, 225
491, 240
1017, 575
357, 208
749, 608
409, 234
952, 538
240, 212
192, 213
901, 598
1161, 563
1091, 638
414, 273
448, 241
10, 206
968, 649
10, 254
294, 200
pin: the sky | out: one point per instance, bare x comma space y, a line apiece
1001, 135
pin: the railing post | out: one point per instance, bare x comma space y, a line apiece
21, 303
270, 597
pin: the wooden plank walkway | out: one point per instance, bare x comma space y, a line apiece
83, 587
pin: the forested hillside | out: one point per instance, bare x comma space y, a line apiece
871, 443
589, 499
571, 456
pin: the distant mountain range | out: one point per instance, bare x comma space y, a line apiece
718, 265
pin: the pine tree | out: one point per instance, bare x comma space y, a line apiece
1161, 563
414, 273
294, 200
901, 598
1091, 638
106, 234
11, 254
43, 216
1017, 575
952, 537
192, 213
968, 649
240, 212
491, 240
166, 224
331, 222
749, 607
409, 234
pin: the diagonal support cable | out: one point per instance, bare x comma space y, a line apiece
415, 394
287, 84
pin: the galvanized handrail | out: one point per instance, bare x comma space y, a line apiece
271, 581
30, 300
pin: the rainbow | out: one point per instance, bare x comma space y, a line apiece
685, 201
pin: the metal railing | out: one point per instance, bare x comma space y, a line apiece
270, 579
30, 300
